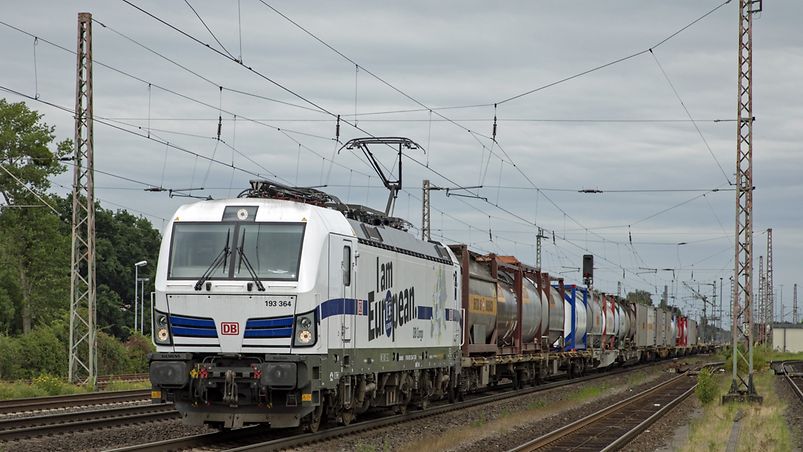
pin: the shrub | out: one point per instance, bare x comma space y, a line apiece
138, 347
706, 389
10, 367
42, 351
762, 354
112, 355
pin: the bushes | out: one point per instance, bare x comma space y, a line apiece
706, 389
44, 352
762, 355
116, 358
41, 351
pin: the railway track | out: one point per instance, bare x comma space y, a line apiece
614, 426
35, 426
259, 438
793, 372
72, 400
104, 380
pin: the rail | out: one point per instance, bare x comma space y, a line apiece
256, 438
71, 400
602, 429
30, 427
793, 372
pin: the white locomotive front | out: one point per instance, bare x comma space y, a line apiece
284, 312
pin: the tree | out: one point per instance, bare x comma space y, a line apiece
25, 153
640, 296
32, 246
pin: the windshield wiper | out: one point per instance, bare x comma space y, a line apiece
248, 266
221, 258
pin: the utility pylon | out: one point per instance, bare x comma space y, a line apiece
538, 247
761, 311
742, 387
769, 296
426, 223
82, 352
794, 304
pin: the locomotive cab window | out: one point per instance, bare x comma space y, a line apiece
346, 266
229, 250
196, 246
272, 249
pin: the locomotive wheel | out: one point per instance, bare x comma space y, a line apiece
401, 409
313, 423
424, 404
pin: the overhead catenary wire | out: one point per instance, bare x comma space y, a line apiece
325, 110
494, 132
26, 187
691, 118
208, 29
350, 170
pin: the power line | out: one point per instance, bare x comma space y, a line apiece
21, 183
141, 135
688, 113
208, 29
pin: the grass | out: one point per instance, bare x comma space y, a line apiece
508, 419
763, 427
39, 387
48, 385
588, 392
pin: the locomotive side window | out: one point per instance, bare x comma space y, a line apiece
346, 266
272, 249
195, 246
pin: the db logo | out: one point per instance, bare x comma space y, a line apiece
230, 328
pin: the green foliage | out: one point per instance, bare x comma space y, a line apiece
115, 357
762, 355
707, 389
24, 141
35, 259
640, 296
42, 351
536, 405
137, 349
10, 358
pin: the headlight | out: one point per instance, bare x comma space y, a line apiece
304, 333
161, 328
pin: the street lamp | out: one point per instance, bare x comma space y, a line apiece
136, 288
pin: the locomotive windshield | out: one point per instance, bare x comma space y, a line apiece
272, 249
195, 246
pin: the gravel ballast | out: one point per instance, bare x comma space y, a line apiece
505, 424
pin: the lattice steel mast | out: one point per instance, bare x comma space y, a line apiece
426, 223
82, 352
742, 387
761, 311
769, 296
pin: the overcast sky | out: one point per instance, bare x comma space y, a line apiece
621, 129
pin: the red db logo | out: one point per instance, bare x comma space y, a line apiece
230, 328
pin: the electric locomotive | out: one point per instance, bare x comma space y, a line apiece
285, 306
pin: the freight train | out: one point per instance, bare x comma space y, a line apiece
287, 307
